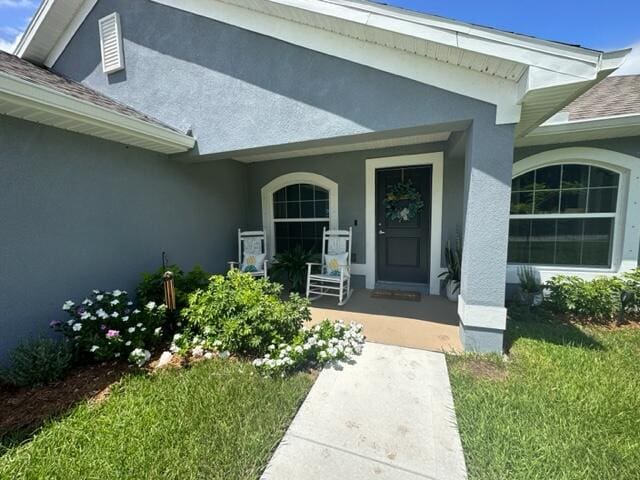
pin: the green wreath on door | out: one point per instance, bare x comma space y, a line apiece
402, 202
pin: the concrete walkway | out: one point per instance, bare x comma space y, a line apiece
387, 416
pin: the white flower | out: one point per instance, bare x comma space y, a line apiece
143, 329
101, 313
96, 291
224, 354
298, 349
85, 316
127, 343
116, 293
77, 327
140, 356
115, 314
158, 331
323, 354
217, 343
272, 347
115, 301
129, 303
117, 354
150, 305
71, 322
99, 297
125, 318
67, 305
94, 348
138, 324
86, 301
197, 352
136, 311
131, 329
208, 355
258, 362
177, 337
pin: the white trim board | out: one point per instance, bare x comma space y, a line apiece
626, 239
436, 160
285, 180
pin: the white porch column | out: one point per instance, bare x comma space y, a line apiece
488, 167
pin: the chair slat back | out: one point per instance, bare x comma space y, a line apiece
251, 242
336, 242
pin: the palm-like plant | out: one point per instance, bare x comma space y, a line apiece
453, 259
290, 267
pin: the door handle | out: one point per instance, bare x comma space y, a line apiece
381, 232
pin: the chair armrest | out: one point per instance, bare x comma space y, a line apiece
232, 265
313, 263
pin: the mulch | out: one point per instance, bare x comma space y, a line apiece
26, 409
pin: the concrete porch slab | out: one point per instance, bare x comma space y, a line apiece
430, 324
389, 415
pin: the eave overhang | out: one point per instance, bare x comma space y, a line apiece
37, 103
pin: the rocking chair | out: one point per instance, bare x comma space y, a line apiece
334, 276
252, 253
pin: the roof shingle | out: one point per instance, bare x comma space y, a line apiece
611, 97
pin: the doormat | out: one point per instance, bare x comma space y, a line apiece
396, 295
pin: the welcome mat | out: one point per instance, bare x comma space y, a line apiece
396, 295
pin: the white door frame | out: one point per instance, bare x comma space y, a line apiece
436, 161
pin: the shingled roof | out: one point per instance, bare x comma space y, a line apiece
15, 66
613, 96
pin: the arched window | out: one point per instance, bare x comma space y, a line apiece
300, 212
564, 215
295, 208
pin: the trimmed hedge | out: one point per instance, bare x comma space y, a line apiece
594, 300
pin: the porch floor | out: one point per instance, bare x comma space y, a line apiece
430, 324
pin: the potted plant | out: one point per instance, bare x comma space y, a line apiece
453, 259
530, 286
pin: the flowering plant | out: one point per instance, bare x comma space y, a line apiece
108, 325
327, 342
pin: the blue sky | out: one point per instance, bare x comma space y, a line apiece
596, 24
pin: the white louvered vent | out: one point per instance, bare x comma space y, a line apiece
111, 43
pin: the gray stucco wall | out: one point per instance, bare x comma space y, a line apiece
238, 89
79, 213
628, 145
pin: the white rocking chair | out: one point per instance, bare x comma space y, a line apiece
334, 278
252, 251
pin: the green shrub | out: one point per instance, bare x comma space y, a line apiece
245, 314
594, 300
37, 362
108, 325
150, 288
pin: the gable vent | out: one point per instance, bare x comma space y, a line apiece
111, 43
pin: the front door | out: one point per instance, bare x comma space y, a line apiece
403, 244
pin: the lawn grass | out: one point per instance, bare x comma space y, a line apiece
565, 405
215, 420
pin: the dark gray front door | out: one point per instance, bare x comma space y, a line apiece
403, 247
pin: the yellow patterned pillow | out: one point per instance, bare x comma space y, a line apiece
334, 262
253, 263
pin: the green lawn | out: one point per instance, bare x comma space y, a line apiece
215, 420
565, 405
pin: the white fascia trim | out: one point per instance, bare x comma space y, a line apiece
500, 92
482, 316
34, 25
69, 32
48, 99
282, 181
626, 239
516, 48
585, 125
436, 160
